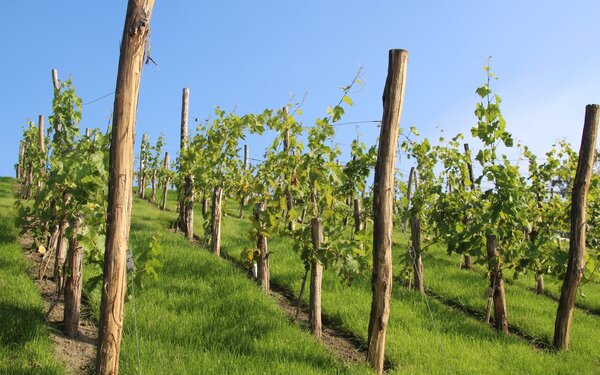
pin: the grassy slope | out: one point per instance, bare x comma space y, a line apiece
24, 344
448, 341
204, 316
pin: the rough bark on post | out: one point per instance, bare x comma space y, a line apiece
142, 176
163, 206
577, 238
383, 206
415, 254
118, 221
467, 263
263, 273
316, 279
42, 146
21, 160
215, 239
289, 200
244, 200
497, 285
204, 205
73, 282
186, 198
411, 175
539, 284
358, 220
60, 255
153, 195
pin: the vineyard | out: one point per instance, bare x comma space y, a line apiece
414, 255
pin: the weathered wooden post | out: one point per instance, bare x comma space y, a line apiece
215, 240
142, 172
289, 200
263, 273
316, 280
186, 204
577, 238
411, 175
415, 254
133, 43
163, 206
383, 206
358, 216
498, 293
467, 263
244, 200
74, 282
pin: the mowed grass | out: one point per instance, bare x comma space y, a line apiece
427, 336
25, 347
204, 316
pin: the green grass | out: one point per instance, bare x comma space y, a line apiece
24, 344
438, 339
203, 316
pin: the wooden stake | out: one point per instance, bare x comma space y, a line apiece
497, 285
358, 216
467, 263
316, 280
118, 221
215, 241
415, 254
263, 251
408, 197
74, 282
383, 206
577, 238
166, 182
186, 199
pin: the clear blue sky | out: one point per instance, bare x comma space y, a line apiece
250, 55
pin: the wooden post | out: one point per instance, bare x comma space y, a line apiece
118, 221
166, 182
204, 205
358, 221
316, 280
142, 176
497, 285
383, 206
153, 195
21, 160
467, 263
55, 81
186, 204
263, 250
415, 254
60, 255
408, 197
288, 195
73, 282
42, 146
577, 238
88, 132
244, 200
215, 240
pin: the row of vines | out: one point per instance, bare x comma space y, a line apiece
505, 214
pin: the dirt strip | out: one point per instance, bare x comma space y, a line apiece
78, 354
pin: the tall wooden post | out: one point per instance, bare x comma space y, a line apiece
467, 263
133, 43
358, 215
415, 254
186, 208
74, 282
383, 206
215, 241
244, 200
163, 206
263, 249
42, 146
288, 195
142, 173
497, 285
577, 238
408, 197
316, 280
21, 160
